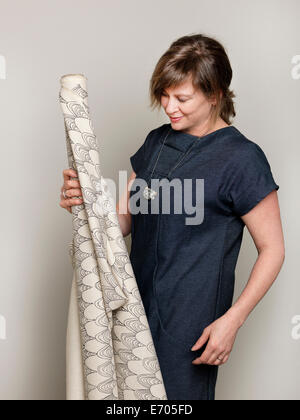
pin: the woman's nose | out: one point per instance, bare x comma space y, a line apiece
171, 107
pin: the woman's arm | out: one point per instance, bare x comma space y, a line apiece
264, 225
123, 212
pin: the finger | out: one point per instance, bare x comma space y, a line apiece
71, 183
225, 358
205, 356
215, 357
211, 352
67, 173
221, 362
202, 340
197, 361
68, 208
212, 359
73, 202
64, 203
73, 193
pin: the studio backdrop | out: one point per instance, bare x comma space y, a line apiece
116, 45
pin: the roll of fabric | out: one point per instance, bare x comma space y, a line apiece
110, 351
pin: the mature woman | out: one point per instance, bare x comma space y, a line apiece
184, 264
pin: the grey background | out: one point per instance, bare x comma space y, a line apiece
116, 44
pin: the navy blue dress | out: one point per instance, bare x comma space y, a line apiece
186, 272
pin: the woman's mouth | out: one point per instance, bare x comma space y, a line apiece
175, 119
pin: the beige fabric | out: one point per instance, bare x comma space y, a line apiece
110, 351
74, 366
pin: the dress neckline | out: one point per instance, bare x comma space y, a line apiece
192, 136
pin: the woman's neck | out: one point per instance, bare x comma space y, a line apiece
207, 128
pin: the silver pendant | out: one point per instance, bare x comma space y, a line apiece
148, 193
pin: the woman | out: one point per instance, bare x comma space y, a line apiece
185, 265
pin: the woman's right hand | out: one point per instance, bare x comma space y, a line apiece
73, 189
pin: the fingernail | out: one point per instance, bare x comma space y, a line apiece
193, 348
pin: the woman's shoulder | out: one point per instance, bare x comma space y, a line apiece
247, 176
241, 140
240, 147
242, 154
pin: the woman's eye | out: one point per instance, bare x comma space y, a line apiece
180, 100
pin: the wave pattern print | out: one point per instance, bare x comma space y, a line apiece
117, 352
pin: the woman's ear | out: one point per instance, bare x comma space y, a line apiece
220, 96
213, 98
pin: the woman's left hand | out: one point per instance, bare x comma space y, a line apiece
221, 334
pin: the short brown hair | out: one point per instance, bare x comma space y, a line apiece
204, 59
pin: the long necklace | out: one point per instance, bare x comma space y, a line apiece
149, 193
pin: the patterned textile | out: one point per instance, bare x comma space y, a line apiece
110, 351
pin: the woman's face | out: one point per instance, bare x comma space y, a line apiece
187, 103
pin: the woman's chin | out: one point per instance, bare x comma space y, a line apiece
177, 125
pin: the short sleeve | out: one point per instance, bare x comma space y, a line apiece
139, 159
248, 179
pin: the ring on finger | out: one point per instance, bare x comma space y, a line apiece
64, 194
